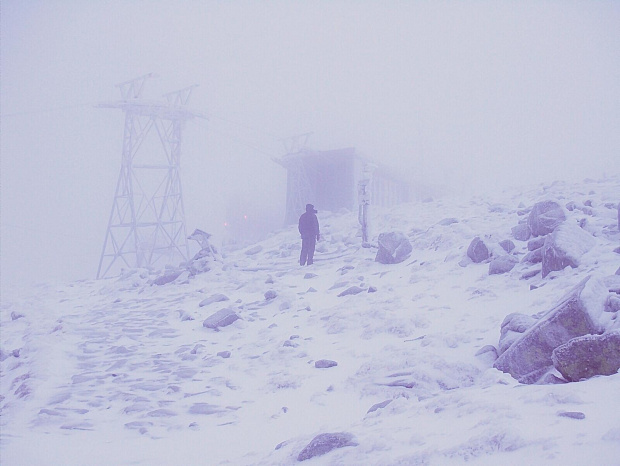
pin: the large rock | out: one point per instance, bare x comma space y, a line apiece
477, 250
564, 247
502, 264
545, 217
221, 318
324, 443
587, 356
529, 357
394, 247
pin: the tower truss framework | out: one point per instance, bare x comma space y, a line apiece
146, 227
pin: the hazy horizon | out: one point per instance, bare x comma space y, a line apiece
460, 96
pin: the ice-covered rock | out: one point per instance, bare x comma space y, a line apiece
502, 264
351, 291
477, 250
214, 298
533, 257
564, 247
378, 406
536, 243
394, 247
270, 294
512, 328
324, 443
221, 318
325, 363
507, 245
587, 356
545, 217
521, 232
254, 250
578, 314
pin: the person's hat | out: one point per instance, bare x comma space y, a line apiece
310, 208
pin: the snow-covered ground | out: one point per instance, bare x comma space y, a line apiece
119, 371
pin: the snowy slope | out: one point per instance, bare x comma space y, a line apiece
120, 371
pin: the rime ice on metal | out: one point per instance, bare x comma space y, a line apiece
146, 227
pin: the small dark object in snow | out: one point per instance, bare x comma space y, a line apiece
572, 414
372, 289
221, 318
164, 279
324, 364
224, 354
377, 406
310, 275
351, 291
270, 294
15, 316
324, 443
447, 221
255, 250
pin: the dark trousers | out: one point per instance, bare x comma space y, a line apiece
307, 250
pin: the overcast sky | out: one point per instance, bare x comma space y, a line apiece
457, 94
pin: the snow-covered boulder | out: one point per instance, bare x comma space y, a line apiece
502, 264
512, 328
578, 314
221, 318
564, 247
536, 243
533, 257
394, 247
521, 232
545, 217
587, 356
214, 298
477, 250
324, 443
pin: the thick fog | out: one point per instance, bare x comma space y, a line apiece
456, 96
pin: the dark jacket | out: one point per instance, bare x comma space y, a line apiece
309, 225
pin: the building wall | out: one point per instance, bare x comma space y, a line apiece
328, 180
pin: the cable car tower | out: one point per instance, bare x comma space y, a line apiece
147, 222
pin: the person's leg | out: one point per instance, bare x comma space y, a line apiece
311, 245
304, 252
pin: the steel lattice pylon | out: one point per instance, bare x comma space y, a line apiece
146, 227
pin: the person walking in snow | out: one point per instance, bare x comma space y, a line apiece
309, 230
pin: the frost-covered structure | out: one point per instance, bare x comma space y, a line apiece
329, 180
